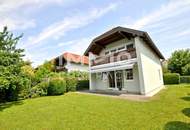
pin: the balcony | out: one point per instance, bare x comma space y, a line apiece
115, 57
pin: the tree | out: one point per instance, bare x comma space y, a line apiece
179, 59
11, 78
43, 71
186, 69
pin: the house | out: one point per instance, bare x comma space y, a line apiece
71, 62
126, 60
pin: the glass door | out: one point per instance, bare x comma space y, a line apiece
119, 79
111, 77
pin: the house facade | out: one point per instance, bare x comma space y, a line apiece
127, 60
71, 62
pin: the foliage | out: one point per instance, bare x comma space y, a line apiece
28, 71
39, 90
184, 79
57, 86
12, 80
171, 78
79, 75
83, 84
71, 83
179, 59
165, 67
186, 69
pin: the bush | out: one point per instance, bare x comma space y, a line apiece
39, 90
171, 78
71, 83
184, 79
83, 84
186, 69
57, 86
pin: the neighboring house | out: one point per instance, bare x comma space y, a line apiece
71, 62
125, 59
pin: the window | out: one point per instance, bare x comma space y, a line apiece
113, 51
107, 52
130, 46
121, 48
129, 74
159, 73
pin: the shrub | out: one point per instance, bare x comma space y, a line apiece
83, 84
186, 69
184, 79
57, 86
71, 83
171, 78
39, 90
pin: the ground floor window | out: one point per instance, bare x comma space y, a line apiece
129, 74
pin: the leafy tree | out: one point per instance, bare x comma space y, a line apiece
179, 59
11, 79
43, 71
186, 69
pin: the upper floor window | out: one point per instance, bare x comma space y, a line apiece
130, 46
107, 52
129, 74
113, 51
121, 48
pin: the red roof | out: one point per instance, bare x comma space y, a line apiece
75, 58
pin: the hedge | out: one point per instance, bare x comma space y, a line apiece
57, 86
184, 79
83, 84
171, 78
71, 84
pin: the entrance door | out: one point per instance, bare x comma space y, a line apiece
119, 79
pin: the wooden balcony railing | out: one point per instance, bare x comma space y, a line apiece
119, 56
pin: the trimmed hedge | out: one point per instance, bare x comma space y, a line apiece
39, 90
83, 84
184, 79
171, 78
71, 84
57, 86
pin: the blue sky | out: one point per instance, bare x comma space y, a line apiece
52, 27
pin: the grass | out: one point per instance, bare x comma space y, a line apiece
168, 110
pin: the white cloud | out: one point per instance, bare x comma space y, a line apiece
77, 46
184, 33
171, 9
17, 23
69, 23
11, 12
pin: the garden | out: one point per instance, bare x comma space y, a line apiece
19, 80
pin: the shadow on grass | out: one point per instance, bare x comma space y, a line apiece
186, 111
177, 125
9, 104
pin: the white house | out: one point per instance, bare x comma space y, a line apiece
71, 62
127, 60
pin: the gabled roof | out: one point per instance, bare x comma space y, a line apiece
74, 58
118, 33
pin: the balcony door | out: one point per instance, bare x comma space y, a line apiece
116, 79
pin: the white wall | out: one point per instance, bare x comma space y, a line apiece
132, 86
96, 83
76, 67
149, 67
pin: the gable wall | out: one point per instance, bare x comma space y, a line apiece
149, 67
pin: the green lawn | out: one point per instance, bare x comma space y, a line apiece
168, 110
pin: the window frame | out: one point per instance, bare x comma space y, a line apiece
129, 71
